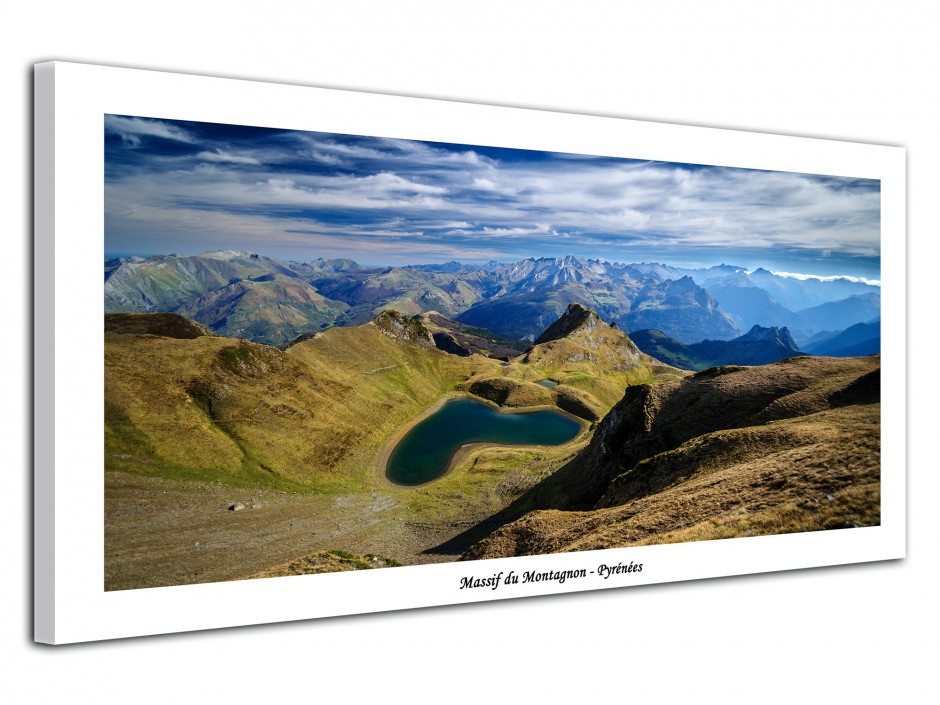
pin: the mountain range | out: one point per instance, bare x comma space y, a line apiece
759, 346
267, 300
860, 339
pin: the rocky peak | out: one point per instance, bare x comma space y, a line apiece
576, 318
684, 285
781, 336
403, 328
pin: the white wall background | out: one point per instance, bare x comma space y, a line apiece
864, 71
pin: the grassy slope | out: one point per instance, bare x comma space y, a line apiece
310, 418
817, 472
407, 290
169, 325
193, 426
228, 410
272, 311
592, 366
793, 446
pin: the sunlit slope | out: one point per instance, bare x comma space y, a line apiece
274, 309
404, 289
591, 362
231, 410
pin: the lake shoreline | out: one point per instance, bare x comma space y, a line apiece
383, 456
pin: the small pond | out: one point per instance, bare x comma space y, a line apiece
548, 383
426, 450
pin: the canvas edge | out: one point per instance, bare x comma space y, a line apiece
44, 573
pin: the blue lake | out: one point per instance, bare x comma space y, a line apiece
426, 450
548, 383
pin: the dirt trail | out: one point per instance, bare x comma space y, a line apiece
167, 532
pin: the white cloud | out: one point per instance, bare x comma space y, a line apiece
628, 218
414, 187
387, 182
221, 156
804, 277
130, 129
323, 157
322, 146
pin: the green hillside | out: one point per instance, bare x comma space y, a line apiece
240, 412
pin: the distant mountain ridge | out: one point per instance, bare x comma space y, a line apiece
860, 339
267, 300
835, 315
750, 305
759, 346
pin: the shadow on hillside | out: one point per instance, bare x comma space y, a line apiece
697, 407
552, 492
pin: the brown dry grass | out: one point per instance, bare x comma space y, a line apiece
748, 451
326, 562
774, 486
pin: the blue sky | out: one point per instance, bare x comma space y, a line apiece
188, 187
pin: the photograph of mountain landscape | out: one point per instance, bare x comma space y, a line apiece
329, 352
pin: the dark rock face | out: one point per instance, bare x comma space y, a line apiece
779, 336
464, 340
167, 325
662, 417
447, 343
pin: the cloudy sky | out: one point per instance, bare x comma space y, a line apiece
187, 187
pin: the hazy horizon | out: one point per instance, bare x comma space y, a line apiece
372, 265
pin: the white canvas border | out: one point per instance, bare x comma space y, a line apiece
71, 99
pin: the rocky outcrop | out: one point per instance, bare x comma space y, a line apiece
576, 318
403, 328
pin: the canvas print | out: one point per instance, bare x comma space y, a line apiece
331, 352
